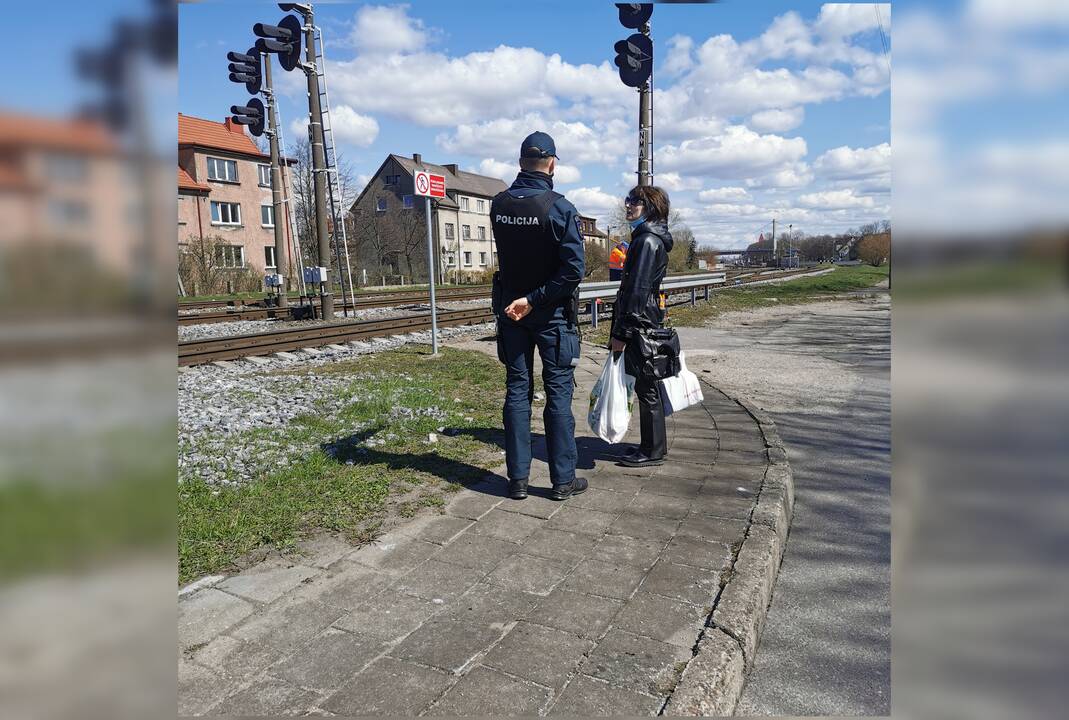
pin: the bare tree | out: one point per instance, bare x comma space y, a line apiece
875, 249
303, 192
597, 261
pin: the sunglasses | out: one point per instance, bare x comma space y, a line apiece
632, 200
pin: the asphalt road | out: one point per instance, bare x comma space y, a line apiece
823, 372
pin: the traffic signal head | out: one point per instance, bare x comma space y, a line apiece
635, 15
299, 7
254, 115
634, 57
245, 68
284, 39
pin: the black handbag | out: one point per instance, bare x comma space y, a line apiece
654, 352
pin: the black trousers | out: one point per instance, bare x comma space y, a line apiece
654, 443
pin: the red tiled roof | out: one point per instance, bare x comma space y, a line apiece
216, 135
77, 135
186, 182
11, 179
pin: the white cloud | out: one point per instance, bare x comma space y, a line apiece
497, 169
577, 142
724, 194
565, 174
671, 181
680, 56
381, 29
777, 120
737, 153
353, 128
432, 89
835, 200
299, 129
593, 202
839, 20
846, 163
733, 209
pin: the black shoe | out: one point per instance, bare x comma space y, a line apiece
563, 492
518, 489
639, 460
632, 452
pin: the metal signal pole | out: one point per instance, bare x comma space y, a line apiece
277, 212
319, 166
645, 126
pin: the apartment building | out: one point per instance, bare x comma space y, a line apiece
224, 191
389, 222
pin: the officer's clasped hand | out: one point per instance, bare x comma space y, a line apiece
518, 309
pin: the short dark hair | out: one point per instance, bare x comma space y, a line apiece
535, 164
654, 199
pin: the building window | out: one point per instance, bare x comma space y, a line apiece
230, 256
224, 213
465, 232
267, 215
480, 205
183, 248
222, 170
467, 259
449, 231
62, 167
380, 206
450, 259
463, 203
393, 179
264, 172
482, 258
406, 200
482, 232
269, 257
68, 212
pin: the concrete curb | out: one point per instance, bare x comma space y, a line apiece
713, 680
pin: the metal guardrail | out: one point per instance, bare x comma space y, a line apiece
591, 291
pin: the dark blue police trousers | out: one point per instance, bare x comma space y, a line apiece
558, 346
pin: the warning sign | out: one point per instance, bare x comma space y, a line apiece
429, 185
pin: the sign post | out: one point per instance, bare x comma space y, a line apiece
430, 186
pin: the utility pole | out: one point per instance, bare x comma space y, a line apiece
277, 211
319, 165
790, 243
774, 241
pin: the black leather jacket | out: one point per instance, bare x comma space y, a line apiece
637, 303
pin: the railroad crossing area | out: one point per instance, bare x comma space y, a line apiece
643, 596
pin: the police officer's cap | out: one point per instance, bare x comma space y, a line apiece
538, 145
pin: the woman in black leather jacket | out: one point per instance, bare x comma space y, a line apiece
638, 308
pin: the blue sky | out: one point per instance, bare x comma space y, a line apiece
761, 109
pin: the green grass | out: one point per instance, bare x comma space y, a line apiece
979, 278
344, 480
843, 278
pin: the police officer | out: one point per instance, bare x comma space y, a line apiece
541, 258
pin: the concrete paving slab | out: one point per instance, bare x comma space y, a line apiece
713, 529
447, 644
331, 658
683, 550
389, 617
683, 582
582, 520
435, 580
613, 580
538, 654
478, 552
666, 506
345, 585
644, 528
628, 551
609, 501
583, 615
267, 697
508, 526
441, 530
396, 555
530, 574
389, 687
323, 551
487, 604
537, 504
637, 663
661, 618
471, 504
560, 545
199, 688
486, 692
586, 697
267, 582
208, 613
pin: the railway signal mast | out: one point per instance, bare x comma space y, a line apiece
634, 57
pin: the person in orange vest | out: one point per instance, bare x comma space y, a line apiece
616, 260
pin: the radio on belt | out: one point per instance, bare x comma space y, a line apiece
315, 275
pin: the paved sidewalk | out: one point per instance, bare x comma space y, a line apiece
590, 607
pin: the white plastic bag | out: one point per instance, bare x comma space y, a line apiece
680, 391
611, 401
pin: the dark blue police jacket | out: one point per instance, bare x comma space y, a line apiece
552, 293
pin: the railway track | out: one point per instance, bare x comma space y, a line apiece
197, 352
397, 297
